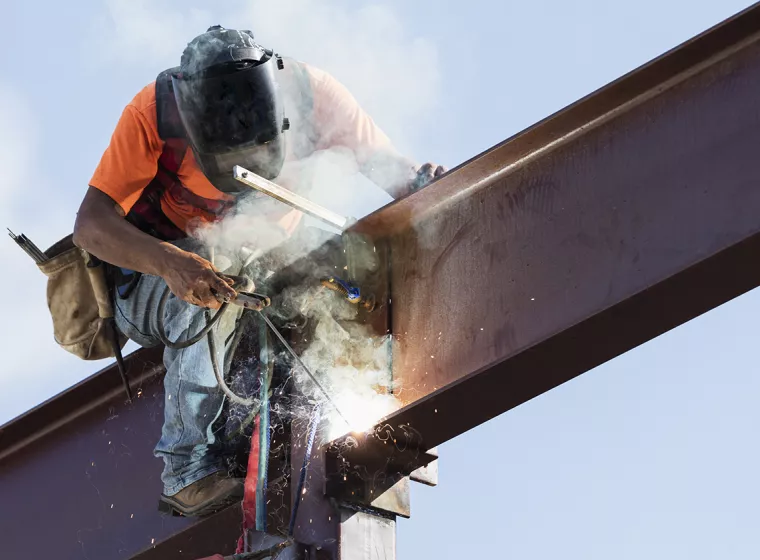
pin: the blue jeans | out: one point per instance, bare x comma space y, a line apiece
191, 439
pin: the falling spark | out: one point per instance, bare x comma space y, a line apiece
152, 541
132, 516
111, 506
436, 411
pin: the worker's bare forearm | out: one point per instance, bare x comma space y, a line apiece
101, 230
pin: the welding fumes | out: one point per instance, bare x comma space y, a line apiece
351, 364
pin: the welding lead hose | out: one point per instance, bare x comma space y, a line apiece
215, 365
240, 329
207, 332
180, 345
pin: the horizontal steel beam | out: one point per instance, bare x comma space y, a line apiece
621, 217
81, 465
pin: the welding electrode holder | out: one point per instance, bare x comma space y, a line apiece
245, 298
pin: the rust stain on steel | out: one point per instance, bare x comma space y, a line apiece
647, 192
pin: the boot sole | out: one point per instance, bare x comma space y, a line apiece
167, 505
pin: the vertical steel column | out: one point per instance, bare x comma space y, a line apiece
365, 536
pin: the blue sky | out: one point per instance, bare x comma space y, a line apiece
651, 455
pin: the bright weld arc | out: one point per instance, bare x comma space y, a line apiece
308, 372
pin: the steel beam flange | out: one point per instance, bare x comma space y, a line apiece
371, 470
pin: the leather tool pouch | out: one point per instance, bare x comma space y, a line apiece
80, 302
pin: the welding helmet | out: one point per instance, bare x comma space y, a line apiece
230, 107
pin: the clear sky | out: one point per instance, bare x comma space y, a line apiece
653, 455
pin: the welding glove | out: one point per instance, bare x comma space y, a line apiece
426, 173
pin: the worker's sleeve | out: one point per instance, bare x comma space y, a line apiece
339, 121
130, 162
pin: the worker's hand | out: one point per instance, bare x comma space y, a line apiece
195, 280
425, 173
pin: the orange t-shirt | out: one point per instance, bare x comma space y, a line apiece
130, 162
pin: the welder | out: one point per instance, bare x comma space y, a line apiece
168, 171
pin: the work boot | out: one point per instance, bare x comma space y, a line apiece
203, 497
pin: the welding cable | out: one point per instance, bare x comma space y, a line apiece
265, 436
315, 417
240, 329
217, 370
207, 331
179, 345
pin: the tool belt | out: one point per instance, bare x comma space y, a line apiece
80, 303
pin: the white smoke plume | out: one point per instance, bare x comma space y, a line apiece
349, 363
394, 75
395, 80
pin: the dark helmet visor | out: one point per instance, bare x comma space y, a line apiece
233, 115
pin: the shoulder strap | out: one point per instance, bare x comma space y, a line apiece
170, 127
167, 113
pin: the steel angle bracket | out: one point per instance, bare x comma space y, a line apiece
371, 471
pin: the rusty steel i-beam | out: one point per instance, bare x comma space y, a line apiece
619, 218
602, 227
